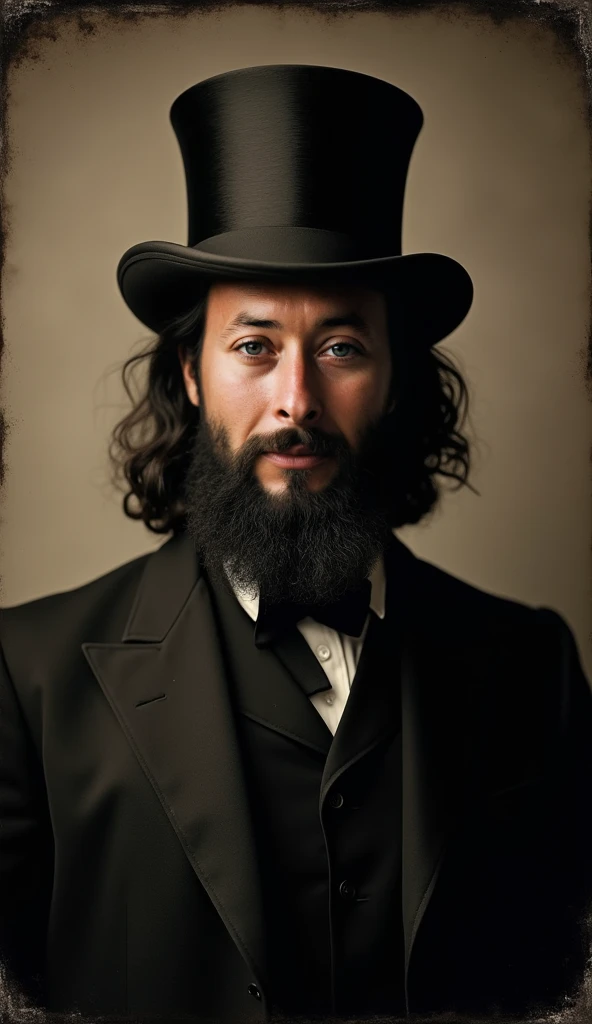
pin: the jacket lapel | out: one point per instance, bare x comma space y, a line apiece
269, 683
440, 699
372, 711
166, 684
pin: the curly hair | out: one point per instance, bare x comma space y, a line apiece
150, 448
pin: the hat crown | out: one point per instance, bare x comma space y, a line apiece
296, 172
323, 152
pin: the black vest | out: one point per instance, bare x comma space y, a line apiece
327, 816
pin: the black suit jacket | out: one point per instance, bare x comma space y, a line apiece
128, 875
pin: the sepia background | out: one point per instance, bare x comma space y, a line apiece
499, 180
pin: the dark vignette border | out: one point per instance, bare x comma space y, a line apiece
24, 24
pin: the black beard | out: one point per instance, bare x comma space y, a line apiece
295, 545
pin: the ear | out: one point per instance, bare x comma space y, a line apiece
188, 378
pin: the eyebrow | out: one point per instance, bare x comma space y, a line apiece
246, 319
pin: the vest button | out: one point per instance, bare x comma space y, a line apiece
347, 891
336, 800
254, 991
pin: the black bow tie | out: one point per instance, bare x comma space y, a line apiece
347, 615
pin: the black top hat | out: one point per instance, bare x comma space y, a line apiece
295, 172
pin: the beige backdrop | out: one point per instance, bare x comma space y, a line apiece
499, 179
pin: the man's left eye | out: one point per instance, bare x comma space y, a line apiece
342, 345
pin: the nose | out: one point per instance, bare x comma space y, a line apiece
296, 397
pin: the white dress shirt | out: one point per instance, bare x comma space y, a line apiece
338, 653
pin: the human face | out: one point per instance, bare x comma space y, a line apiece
277, 356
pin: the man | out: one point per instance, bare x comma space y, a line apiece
281, 764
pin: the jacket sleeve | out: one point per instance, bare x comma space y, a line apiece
571, 789
26, 849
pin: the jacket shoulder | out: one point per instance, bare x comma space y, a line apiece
454, 601
437, 583
105, 600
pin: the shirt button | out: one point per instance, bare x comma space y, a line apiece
347, 891
323, 652
254, 991
329, 700
336, 800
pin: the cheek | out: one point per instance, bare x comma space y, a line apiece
230, 398
358, 403
363, 397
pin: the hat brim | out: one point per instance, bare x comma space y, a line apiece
161, 280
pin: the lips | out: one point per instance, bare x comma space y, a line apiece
299, 456
296, 449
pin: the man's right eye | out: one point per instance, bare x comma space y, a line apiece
250, 343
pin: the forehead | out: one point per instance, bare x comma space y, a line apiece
225, 298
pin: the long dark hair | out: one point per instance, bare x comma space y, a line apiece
150, 448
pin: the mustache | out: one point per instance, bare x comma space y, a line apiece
319, 442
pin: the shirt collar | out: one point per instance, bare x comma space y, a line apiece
377, 596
